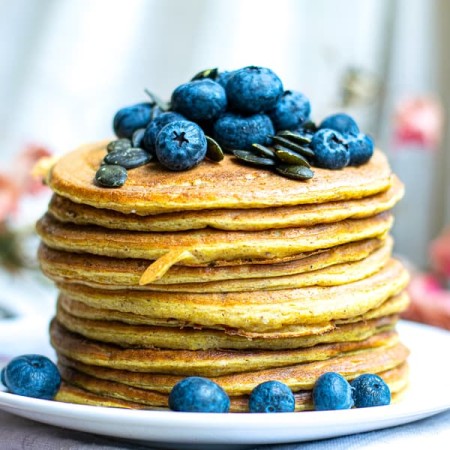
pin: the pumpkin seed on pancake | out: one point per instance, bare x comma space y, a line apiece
376, 354
208, 245
253, 311
85, 389
109, 273
151, 190
329, 276
146, 332
241, 219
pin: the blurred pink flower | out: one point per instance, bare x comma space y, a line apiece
19, 181
419, 121
439, 252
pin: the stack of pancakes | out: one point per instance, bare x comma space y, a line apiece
224, 271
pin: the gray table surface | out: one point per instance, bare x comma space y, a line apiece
17, 433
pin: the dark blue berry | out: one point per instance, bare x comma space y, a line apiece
197, 394
199, 100
341, 123
253, 89
129, 158
111, 176
181, 145
370, 390
270, 397
233, 131
32, 376
2, 377
360, 148
332, 391
291, 111
155, 126
223, 77
330, 149
128, 120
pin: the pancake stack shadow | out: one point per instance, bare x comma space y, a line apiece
224, 271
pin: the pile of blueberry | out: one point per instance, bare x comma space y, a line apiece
331, 392
246, 113
37, 376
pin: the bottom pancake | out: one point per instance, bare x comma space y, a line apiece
85, 389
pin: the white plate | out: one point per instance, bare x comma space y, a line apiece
425, 397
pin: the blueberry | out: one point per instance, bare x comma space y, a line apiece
128, 120
198, 394
111, 176
223, 77
199, 100
342, 123
271, 396
330, 150
32, 376
253, 89
234, 131
360, 148
181, 145
129, 158
155, 126
291, 111
332, 391
2, 377
370, 390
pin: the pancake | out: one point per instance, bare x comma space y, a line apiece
330, 276
151, 189
212, 362
85, 389
108, 273
254, 311
65, 210
206, 246
105, 326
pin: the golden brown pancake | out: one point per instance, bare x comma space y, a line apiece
230, 219
107, 272
151, 189
255, 311
85, 389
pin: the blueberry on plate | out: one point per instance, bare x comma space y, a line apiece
155, 126
198, 394
233, 131
32, 376
271, 397
330, 149
291, 111
127, 120
181, 145
332, 391
370, 390
199, 100
2, 377
223, 77
253, 89
360, 148
341, 123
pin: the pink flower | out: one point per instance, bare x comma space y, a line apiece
19, 181
418, 121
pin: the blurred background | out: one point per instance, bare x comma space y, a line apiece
68, 65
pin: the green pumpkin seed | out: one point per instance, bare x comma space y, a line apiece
295, 172
251, 158
119, 144
213, 150
111, 176
304, 151
290, 157
264, 151
208, 73
310, 126
129, 159
155, 100
294, 137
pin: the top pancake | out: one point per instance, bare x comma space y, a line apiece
151, 189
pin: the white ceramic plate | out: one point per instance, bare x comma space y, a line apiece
195, 430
